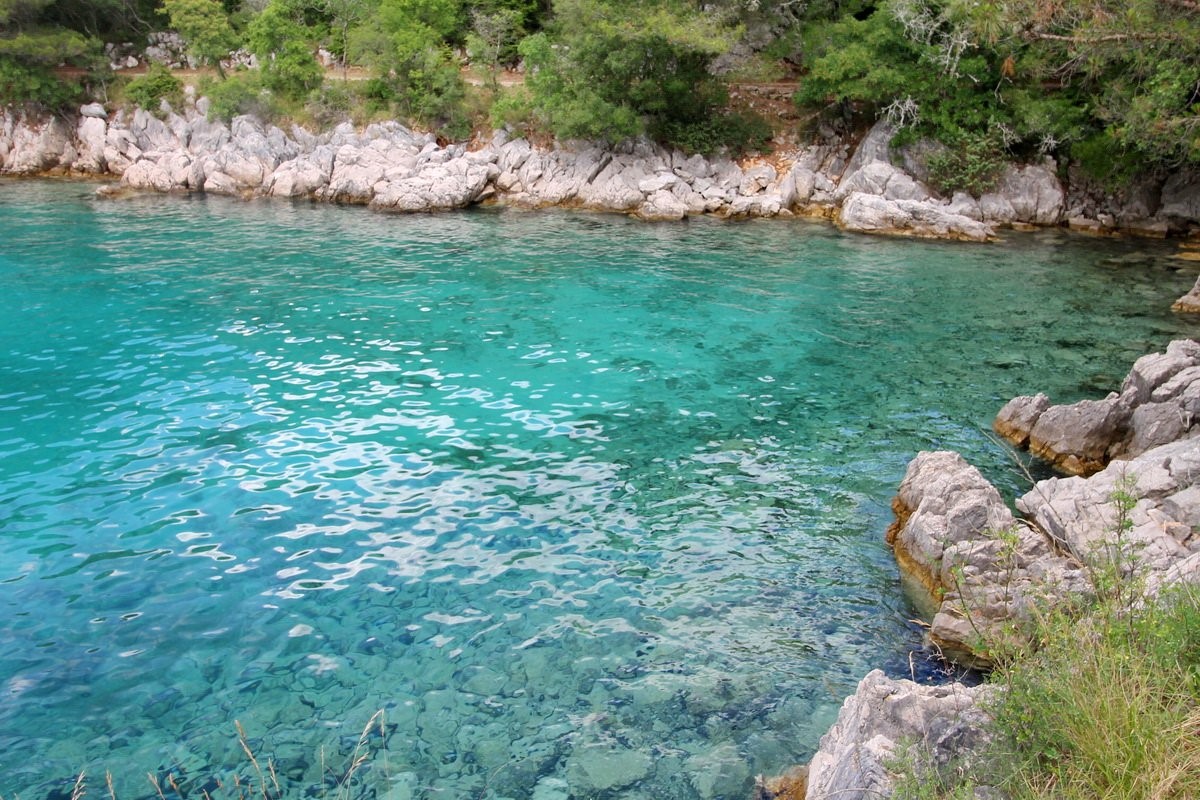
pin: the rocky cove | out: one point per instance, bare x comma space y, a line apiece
864, 186
948, 517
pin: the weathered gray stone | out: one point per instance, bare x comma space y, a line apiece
94, 110
976, 566
1154, 424
875, 146
91, 136
1082, 514
757, 179
454, 184
997, 209
888, 720
1181, 197
1019, 415
1034, 194
867, 213
662, 206
1077, 438
1152, 371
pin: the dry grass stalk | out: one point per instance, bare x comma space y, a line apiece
80, 788
262, 781
360, 755
157, 788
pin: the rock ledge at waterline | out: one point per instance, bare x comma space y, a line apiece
983, 570
868, 188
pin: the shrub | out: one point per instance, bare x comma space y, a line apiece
971, 162
330, 104
736, 133
149, 90
23, 83
242, 93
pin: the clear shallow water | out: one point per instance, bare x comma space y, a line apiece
567, 496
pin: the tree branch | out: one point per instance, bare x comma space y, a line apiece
1108, 37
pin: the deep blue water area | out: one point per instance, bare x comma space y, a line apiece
581, 504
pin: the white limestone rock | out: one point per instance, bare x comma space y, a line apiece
91, 136
662, 206
888, 720
1034, 193
1081, 512
866, 213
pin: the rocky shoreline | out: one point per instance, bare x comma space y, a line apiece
985, 571
865, 187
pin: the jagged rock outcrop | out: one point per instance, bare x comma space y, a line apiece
1029, 194
1159, 402
1162, 528
884, 721
980, 569
984, 571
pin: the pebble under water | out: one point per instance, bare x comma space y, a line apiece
584, 506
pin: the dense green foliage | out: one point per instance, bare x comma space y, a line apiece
1114, 85
1124, 686
205, 26
150, 89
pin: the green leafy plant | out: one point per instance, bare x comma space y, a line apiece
205, 27
157, 84
971, 162
240, 93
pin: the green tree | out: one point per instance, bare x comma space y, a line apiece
284, 47
205, 27
404, 43
611, 70
492, 34
30, 49
344, 17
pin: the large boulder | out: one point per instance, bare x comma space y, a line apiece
887, 722
1159, 402
1077, 438
1019, 415
1034, 194
978, 570
38, 145
91, 137
455, 184
1181, 198
868, 213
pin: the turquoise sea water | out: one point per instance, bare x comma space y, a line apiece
578, 502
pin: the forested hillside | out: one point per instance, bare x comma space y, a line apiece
1112, 85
